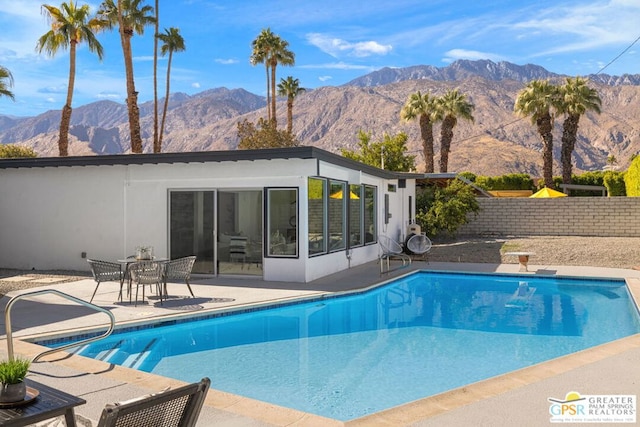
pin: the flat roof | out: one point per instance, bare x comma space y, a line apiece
200, 157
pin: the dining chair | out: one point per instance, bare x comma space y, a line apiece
146, 273
106, 271
179, 269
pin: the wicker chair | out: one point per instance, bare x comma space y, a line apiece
179, 269
105, 271
146, 273
179, 407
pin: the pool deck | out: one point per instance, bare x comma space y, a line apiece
517, 398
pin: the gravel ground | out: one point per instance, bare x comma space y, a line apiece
615, 252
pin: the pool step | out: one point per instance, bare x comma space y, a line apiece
134, 360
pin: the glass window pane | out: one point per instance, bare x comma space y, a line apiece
317, 216
355, 215
370, 214
282, 208
337, 201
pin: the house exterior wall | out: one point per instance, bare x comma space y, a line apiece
566, 216
51, 215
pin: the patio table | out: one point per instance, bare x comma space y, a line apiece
49, 403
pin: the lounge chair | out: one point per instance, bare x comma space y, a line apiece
179, 269
179, 407
106, 271
418, 244
390, 249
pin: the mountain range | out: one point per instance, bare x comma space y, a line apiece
329, 117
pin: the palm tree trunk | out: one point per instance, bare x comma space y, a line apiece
273, 96
426, 133
569, 135
166, 102
266, 66
156, 142
289, 115
446, 136
65, 120
544, 129
132, 95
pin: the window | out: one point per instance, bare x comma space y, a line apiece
317, 215
282, 220
337, 215
355, 216
369, 207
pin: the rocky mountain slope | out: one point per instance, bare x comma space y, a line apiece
330, 117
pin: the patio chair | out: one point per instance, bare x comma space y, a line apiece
106, 271
179, 269
146, 273
418, 244
238, 249
178, 407
390, 249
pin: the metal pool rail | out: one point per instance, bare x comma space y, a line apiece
12, 301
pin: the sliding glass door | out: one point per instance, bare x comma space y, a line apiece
191, 227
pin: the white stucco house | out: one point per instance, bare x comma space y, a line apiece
293, 214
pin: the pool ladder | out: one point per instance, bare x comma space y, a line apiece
12, 301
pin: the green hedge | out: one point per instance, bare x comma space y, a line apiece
632, 178
513, 181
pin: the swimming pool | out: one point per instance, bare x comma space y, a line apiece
417, 336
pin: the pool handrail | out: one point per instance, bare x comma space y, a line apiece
12, 301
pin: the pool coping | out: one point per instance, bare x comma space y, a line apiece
401, 415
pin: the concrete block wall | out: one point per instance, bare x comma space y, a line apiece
566, 216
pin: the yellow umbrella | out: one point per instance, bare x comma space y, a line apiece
547, 192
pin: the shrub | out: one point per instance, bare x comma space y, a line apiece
632, 178
445, 209
513, 181
8, 151
614, 181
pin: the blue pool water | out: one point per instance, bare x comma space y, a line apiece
346, 357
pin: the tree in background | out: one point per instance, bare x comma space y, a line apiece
264, 135
70, 25
388, 154
291, 89
576, 99
6, 82
422, 107
445, 209
280, 55
172, 41
450, 107
260, 51
157, 146
537, 100
130, 17
10, 151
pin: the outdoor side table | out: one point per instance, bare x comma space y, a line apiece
49, 403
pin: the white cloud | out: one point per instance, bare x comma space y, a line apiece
107, 95
337, 47
455, 54
324, 78
195, 85
229, 61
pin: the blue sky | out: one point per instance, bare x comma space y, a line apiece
334, 42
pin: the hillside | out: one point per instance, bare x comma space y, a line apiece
330, 118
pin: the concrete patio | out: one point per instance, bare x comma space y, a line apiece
518, 398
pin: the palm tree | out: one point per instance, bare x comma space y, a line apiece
70, 25
422, 107
576, 98
172, 42
280, 54
261, 50
449, 108
537, 100
291, 89
131, 17
156, 32
6, 81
